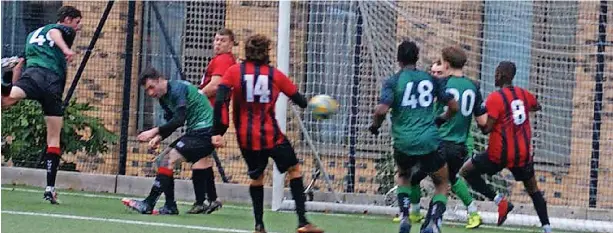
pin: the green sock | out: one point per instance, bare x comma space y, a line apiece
439, 198
415, 194
461, 190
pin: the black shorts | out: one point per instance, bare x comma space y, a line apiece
485, 166
257, 160
195, 144
454, 155
409, 165
44, 86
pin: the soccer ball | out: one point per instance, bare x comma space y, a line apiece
323, 106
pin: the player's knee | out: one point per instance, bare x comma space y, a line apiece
259, 181
294, 172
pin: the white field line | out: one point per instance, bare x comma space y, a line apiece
124, 221
249, 208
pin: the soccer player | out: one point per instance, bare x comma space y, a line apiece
410, 94
456, 132
203, 177
509, 144
183, 105
254, 86
46, 54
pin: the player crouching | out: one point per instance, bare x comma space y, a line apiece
183, 105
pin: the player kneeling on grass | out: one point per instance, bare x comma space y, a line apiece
46, 54
508, 124
254, 86
410, 94
183, 105
454, 132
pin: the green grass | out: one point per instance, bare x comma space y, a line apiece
232, 216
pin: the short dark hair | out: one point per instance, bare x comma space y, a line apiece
257, 48
227, 32
507, 69
68, 11
408, 53
455, 56
148, 73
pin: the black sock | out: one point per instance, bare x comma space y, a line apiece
52, 161
156, 190
540, 205
297, 188
257, 199
477, 183
404, 203
199, 182
169, 191
211, 191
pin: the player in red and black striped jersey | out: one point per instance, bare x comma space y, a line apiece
203, 176
509, 144
254, 86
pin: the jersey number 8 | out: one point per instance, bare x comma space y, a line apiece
519, 112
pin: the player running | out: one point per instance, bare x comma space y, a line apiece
456, 132
410, 94
47, 51
183, 105
255, 86
203, 177
509, 144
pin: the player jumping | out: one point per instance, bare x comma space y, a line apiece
509, 144
183, 105
203, 177
254, 86
410, 94
46, 54
454, 133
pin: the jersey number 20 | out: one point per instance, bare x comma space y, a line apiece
467, 102
424, 94
260, 88
40, 39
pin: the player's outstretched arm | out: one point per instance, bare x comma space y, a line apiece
386, 100
378, 117
289, 89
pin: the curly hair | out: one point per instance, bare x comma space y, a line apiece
257, 48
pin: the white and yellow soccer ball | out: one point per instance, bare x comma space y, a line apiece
323, 106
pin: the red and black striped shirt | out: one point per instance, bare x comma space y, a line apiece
510, 140
255, 90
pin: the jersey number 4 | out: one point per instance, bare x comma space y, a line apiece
260, 88
424, 94
40, 39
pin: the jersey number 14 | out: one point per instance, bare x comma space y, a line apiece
260, 88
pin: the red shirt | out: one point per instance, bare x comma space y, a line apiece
218, 66
510, 140
254, 92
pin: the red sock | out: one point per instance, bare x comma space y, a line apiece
53, 150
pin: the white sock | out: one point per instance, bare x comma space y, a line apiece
547, 229
49, 189
414, 208
498, 198
472, 208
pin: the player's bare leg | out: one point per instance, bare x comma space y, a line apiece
16, 94
164, 183
256, 190
540, 205
52, 155
473, 177
203, 179
297, 188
